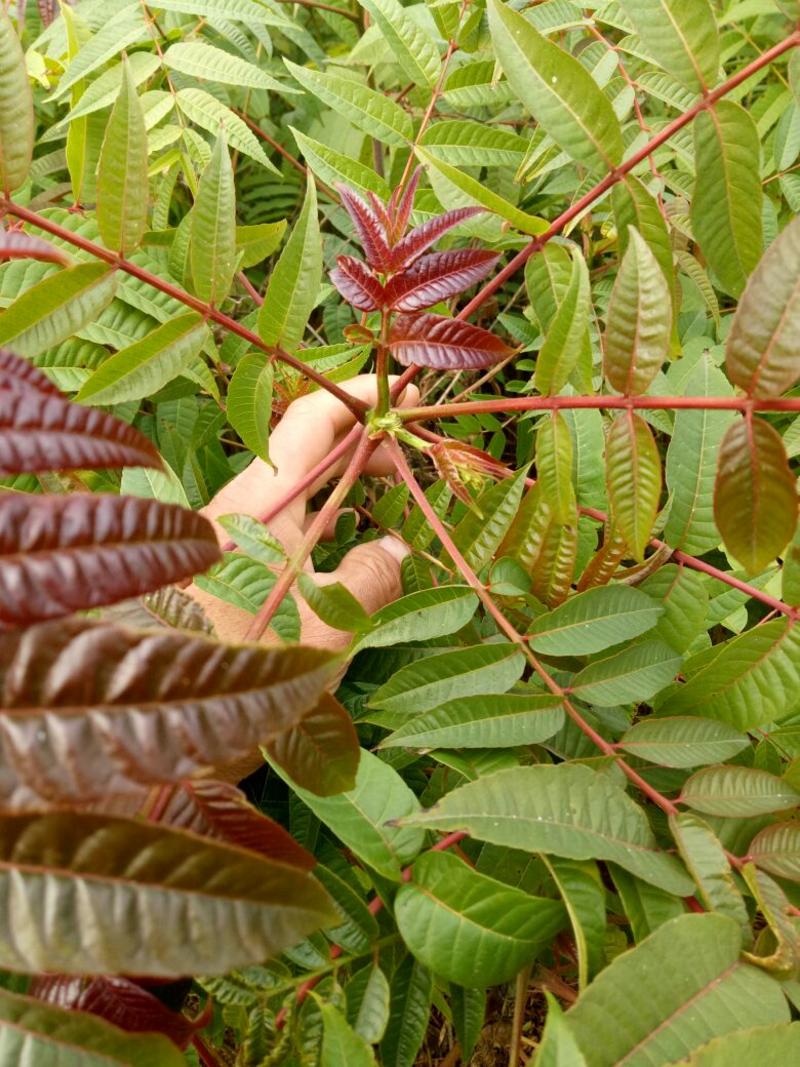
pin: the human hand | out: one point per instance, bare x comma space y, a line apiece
309, 431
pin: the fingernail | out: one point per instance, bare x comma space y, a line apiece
395, 547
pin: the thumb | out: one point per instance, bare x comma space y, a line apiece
371, 572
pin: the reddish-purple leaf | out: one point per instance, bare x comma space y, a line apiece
402, 207
44, 432
18, 373
14, 244
379, 208
220, 810
357, 284
369, 228
48, 9
438, 277
444, 344
120, 1001
93, 713
60, 554
421, 237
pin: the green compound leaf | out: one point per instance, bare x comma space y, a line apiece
647, 1006
416, 53
633, 479
726, 206
681, 35
469, 928
639, 321
557, 89
755, 495
17, 124
122, 185
212, 251
566, 332
634, 674
593, 621
565, 810
295, 281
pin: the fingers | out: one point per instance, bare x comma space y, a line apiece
372, 574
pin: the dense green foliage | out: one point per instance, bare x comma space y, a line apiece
551, 810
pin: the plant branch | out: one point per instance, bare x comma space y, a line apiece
208, 311
629, 403
513, 635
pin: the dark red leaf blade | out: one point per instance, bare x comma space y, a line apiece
18, 373
438, 277
96, 713
379, 208
444, 344
357, 284
14, 244
60, 554
402, 210
45, 432
369, 229
421, 237
321, 752
220, 810
120, 1001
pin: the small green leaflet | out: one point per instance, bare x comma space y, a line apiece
17, 124
681, 36
331, 167
249, 404
212, 251
737, 792
141, 369
253, 538
683, 741
334, 604
705, 858
122, 185
209, 114
201, 60
633, 479
593, 621
469, 927
566, 332
416, 53
565, 810
295, 280
341, 1044
777, 849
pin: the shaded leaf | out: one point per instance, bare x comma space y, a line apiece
554, 463
334, 604
593, 621
249, 402
444, 344
340, 1043
14, 244
737, 792
468, 927
769, 1044
412, 993
683, 741
16, 110
64, 553
239, 906
566, 332
776, 848
211, 115
212, 251
681, 36
705, 859
368, 995
165, 705
320, 752
632, 675
755, 494
420, 616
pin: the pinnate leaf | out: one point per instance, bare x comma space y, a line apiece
468, 927
66, 553
14, 244
369, 227
762, 351
566, 332
755, 495
567, 810
250, 401
181, 702
421, 616
639, 320
444, 344
213, 241
737, 792
320, 752
770, 1044
683, 741
776, 849
633, 674
633, 479
416, 53
241, 906
494, 720
681, 35
416, 241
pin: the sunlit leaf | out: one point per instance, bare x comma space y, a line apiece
438, 276
16, 109
593, 621
681, 35
122, 193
